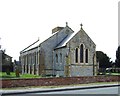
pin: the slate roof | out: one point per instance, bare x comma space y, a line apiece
36, 44
2, 52
66, 40
69, 37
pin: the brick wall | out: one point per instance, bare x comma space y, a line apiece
8, 83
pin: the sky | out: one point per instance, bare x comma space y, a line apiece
22, 22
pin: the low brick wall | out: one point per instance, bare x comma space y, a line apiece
8, 83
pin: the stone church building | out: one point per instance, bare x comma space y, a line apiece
66, 53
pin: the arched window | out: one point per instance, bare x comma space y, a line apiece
81, 53
86, 55
60, 57
56, 58
76, 55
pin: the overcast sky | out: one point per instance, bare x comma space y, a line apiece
23, 21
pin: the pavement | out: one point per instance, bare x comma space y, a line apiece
42, 89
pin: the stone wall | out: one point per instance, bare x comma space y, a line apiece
8, 83
79, 70
60, 66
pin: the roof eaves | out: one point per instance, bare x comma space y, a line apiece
60, 47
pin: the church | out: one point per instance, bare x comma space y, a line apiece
64, 54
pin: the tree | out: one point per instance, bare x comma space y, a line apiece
103, 59
117, 61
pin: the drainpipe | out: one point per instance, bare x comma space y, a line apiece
38, 60
93, 65
53, 64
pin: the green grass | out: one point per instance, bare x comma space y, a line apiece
110, 73
115, 73
12, 75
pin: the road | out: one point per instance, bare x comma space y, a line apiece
107, 90
104, 90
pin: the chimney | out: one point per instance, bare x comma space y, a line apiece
56, 29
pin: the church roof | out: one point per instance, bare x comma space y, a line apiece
38, 42
67, 39
33, 45
60, 45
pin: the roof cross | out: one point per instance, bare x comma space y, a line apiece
66, 23
81, 25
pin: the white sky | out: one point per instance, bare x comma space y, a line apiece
23, 21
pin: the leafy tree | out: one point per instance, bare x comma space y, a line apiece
103, 59
7, 68
117, 61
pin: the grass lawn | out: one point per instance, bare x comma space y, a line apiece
115, 73
12, 75
112, 73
